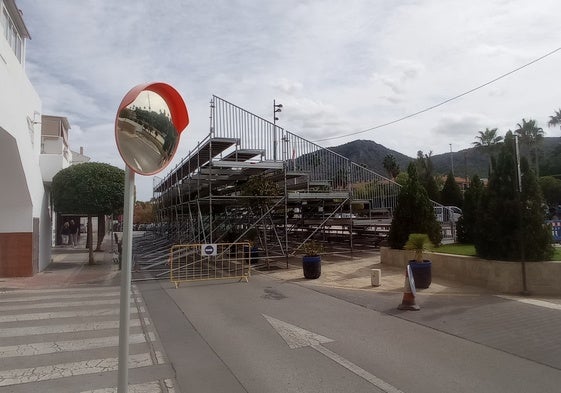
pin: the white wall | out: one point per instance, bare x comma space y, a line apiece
23, 194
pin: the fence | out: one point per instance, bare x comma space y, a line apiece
197, 262
555, 230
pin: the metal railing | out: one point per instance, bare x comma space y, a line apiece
197, 262
325, 168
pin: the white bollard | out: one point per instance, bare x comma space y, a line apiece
376, 276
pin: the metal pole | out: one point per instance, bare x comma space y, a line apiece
275, 130
451, 159
124, 310
522, 256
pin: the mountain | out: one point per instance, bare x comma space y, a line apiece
465, 162
371, 154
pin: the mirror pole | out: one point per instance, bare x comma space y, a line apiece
124, 311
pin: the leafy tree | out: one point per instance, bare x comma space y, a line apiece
340, 179
414, 213
551, 190
488, 140
511, 223
401, 179
451, 194
532, 136
391, 166
552, 163
467, 223
91, 189
425, 171
144, 213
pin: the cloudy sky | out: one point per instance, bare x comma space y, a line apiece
338, 67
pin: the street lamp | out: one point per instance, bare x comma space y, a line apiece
276, 108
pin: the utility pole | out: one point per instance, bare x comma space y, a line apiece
451, 160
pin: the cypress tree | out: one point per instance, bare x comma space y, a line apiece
467, 223
451, 194
511, 223
414, 213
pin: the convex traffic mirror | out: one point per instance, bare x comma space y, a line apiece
149, 122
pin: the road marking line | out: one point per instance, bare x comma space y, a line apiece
55, 371
60, 304
69, 328
67, 346
374, 380
60, 314
534, 302
297, 337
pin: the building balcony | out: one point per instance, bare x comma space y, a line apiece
55, 156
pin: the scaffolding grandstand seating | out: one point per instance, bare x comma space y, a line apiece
250, 179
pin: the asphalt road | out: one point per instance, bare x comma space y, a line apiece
270, 335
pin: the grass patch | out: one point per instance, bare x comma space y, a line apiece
456, 249
469, 250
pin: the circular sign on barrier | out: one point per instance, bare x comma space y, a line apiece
208, 250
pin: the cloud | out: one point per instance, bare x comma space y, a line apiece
337, 67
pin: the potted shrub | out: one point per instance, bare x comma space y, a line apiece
311, 261
420, 267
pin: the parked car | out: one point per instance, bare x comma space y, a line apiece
447, 213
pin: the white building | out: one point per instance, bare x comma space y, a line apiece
28, 159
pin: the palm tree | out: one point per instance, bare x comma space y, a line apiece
391, 166
488, 140
532, 136
555, 120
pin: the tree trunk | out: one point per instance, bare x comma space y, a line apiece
100, 231
89, 241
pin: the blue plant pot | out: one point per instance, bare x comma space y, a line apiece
311, 266
422, 273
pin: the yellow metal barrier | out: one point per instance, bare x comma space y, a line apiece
196, 262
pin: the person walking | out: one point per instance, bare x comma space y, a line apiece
65, 233
73, 233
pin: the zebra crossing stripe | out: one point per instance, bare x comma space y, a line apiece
67, 346
68, 328
62, 314
56, 297
149, 387
534, 302
16, 307
56, 371
60, 290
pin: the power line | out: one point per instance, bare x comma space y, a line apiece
443, 102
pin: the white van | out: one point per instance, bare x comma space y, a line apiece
447, 213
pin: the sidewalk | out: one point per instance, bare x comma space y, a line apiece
354, 272
70, 268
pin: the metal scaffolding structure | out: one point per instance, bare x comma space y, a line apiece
251, 180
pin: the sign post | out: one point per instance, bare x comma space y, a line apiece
148, 125
124, 311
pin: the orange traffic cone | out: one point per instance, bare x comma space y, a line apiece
408, 301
